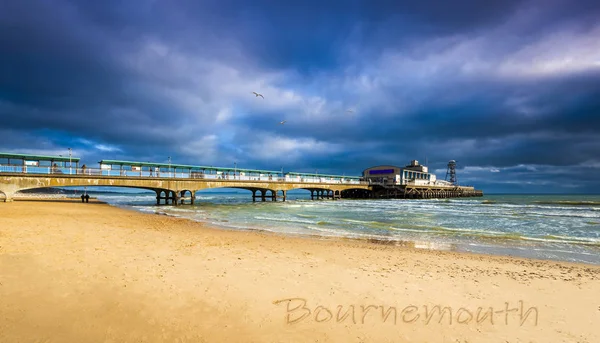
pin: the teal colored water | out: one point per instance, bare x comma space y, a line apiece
558, 227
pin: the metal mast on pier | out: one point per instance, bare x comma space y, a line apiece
451, 173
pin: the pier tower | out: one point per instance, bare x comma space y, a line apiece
451, 173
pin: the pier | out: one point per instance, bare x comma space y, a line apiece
176, 184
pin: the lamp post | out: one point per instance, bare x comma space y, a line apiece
70, 170
234, 169
169, 166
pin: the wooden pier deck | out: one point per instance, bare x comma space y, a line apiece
422, 192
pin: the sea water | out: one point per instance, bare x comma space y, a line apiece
558, 227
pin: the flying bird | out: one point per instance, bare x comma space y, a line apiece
350, 111
282, 122
258, 95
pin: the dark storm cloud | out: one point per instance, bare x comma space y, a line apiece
149, 79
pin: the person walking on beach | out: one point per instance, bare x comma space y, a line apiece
82, 197
87, 198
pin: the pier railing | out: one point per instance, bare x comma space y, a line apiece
173, 174
416, 184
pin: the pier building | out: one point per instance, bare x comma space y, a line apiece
412, 181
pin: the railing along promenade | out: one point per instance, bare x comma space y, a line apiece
170, 185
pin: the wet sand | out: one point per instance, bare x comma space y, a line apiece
73, 272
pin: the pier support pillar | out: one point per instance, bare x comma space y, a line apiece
284, 195
312, 194
263, 195
8, 194
172, 196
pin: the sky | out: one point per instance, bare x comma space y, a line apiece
509, 89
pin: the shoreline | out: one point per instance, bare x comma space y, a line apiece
486, 245
410, 246
423, 244
106, 274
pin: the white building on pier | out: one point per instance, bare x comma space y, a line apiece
412, 174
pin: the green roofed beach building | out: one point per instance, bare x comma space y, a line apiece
10, 162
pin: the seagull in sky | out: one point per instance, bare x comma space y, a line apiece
282, 122
258, 95
350, 111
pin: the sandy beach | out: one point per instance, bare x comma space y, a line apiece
73, 272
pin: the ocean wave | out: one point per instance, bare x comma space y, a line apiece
516, 236
373, 224
569, 202
306, 215
287, 220
578, 239
564, 239
477, 233
344, 233
570, 215
406, 230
